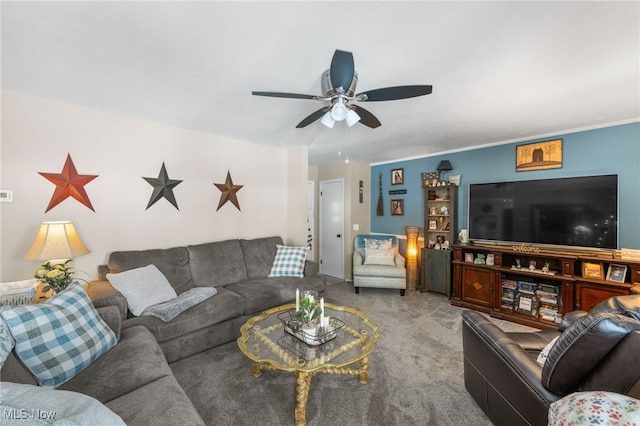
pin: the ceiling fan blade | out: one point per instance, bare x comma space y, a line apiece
397, 92
342, 69
366, 117
312, 117
284, 95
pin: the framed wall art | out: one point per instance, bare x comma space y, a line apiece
397, 207
397, 176
539, 156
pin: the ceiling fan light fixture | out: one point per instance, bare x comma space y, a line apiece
352, 118
328, 120
339, 111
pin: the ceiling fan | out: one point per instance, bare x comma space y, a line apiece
338, 87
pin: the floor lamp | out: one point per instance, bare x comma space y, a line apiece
411, 255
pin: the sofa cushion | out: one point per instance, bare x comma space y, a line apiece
59, 338
289, 262
142, 287
217, 264
160, 403
258, 255
136, 360
225, 305
266, 293
173, 263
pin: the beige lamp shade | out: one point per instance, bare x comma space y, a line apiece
56, 240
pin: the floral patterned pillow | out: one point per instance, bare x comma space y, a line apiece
377, 244
595, 408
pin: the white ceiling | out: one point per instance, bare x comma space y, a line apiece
501, 71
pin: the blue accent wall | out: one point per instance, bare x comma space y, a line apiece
610, 150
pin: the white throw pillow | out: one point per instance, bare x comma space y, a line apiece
142, 287
542, 356
374, 256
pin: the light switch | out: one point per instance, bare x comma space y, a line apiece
6, 196
356, 227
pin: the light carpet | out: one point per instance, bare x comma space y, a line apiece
416, 372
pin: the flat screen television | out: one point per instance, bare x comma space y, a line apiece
575, 211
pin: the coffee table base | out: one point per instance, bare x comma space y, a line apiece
303, 382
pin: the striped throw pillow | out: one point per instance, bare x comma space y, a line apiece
59, 338
289, 261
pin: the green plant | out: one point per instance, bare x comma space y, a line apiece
56, 276
309, 311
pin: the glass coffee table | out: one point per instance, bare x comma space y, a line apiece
265, 341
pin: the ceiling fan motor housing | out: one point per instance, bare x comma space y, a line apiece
328, 89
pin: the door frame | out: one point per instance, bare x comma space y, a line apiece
321, 226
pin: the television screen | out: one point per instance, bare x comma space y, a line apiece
577, 211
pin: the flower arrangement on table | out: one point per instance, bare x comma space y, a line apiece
55, 276
310, 310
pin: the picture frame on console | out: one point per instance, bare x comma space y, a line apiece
592, 270
616, 273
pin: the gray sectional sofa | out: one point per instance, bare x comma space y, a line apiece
134, 378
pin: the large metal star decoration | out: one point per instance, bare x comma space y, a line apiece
68, 184
229, 192
162, 188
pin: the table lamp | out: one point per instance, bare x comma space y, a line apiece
56, 242
444, 166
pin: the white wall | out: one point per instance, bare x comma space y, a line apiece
37, 134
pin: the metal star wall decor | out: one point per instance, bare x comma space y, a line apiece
162, 188
229, 192
69, 184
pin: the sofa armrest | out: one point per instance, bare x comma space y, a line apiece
111, 315
311, 268
399, 260
500, 375
102, 293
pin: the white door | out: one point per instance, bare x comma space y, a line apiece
332, 228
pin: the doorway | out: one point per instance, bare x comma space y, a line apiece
332, 228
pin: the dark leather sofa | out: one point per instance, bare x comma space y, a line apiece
597, 350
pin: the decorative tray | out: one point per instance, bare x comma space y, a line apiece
311, 336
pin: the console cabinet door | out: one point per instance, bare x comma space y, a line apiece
476, 285
589, 295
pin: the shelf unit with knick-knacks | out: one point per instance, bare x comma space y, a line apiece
440, 212
537, 286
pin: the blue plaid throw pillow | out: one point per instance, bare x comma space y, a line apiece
59, 338
289, 261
